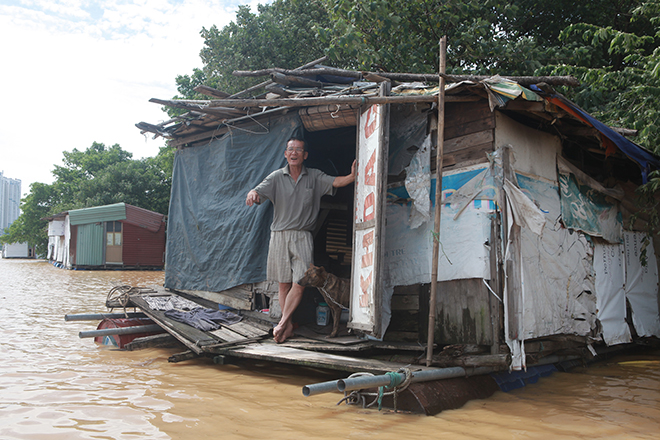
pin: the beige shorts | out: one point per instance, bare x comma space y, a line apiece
289, 255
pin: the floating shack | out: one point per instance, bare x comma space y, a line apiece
17, 250
538, 248
117, 236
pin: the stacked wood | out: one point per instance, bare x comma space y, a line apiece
570, 81
294, 81
265, 83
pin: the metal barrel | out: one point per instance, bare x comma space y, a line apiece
100, 316
121, 331
360, 382
319, 388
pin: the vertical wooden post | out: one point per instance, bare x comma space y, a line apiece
438, 201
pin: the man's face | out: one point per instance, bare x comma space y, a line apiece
294, 153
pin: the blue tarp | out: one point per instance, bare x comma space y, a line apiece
215, 241
646, 160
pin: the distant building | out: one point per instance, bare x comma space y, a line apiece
17, 250
10, 199
118, 236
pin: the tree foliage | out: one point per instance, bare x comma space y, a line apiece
94, 177
280, 34
611, 46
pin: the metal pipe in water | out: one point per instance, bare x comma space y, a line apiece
320, 388
121, 331
360, 382
100, 316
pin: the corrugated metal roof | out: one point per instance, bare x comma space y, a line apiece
152, 221
97, 214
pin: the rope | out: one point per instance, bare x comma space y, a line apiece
122, 295
396, 386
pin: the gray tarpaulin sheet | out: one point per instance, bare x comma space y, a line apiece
215, 241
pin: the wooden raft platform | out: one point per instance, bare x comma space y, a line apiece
274, 352
251, 339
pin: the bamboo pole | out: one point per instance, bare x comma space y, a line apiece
438, 201
211, 106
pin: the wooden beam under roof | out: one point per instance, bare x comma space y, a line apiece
217, 105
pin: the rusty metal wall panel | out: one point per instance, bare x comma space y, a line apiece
152, 221
143, 247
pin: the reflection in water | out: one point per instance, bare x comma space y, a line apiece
54, 385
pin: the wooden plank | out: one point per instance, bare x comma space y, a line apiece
204, 106
248, 330
459, 113
495, 304
468, 141
455, 131
228, 300
279, 353
470, 156
328, 346
514, 283
340, 340
226, 335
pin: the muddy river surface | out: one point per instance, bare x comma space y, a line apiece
54, 385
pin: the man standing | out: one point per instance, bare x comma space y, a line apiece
295, 192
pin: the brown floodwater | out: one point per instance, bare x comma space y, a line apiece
54, 385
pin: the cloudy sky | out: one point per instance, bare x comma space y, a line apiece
73, 72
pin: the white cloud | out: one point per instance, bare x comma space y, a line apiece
78, 71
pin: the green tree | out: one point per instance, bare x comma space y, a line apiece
619, 68
403, 36
101, 176
94, 177
280, 34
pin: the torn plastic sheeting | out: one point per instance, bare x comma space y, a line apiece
642, 284
407, 133
557, 284
557, 271
585, 209
418, 184
610, 138
501, 90
464, 240
463, 250
609, 268
525, 212
480, 187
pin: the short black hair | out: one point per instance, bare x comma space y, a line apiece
294, 138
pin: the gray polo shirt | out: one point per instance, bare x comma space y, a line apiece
296, 204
